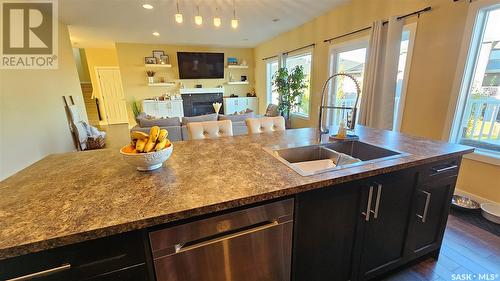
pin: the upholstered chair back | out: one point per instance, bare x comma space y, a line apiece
265, 124
210, 129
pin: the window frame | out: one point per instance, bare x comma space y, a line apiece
269, 78
284, 58
469, 50
333, 52
398, 121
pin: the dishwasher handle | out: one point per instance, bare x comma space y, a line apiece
183, 247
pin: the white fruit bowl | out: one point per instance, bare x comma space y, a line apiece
147, 161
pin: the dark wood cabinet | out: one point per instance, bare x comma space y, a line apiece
325, 226
100, 259
430, 208
382, 223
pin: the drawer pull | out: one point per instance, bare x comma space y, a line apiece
442, 170
63, 267
377, 202
179, 248
423, 217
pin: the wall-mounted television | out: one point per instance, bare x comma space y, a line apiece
200, 65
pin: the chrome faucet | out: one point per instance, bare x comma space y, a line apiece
350, 121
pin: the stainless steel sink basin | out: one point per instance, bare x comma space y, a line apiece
321, 158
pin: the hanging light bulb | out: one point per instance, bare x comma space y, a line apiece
178, 16
217, 20
234, 21
198, 19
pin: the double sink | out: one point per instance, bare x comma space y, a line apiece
320, 158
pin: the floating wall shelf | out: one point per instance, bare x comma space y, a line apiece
237, 66
237, 83
166, 84
158, 65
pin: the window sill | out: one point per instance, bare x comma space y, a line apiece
300, 116
484, 156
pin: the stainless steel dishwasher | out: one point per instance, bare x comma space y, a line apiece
246, 245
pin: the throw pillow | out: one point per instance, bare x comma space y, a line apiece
201, 118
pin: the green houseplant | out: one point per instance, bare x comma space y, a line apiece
290, 86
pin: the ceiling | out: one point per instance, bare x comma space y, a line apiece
100, 23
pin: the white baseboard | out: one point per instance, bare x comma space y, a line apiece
474, 197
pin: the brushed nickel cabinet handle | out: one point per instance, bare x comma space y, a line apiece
444, 169
63, 267
179, 248
423, 217
377, 202
369, 205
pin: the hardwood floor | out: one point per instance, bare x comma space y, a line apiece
468, 253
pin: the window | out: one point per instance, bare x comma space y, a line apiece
303, 59
477, 117
272, 68
349, 58
405, 54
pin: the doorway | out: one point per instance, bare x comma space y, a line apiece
113, 98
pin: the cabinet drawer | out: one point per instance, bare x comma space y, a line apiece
134, 273
440, 169
78, 261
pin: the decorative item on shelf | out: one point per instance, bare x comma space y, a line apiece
233, 96
230, 76
217, 106
198, 86
232, 61
164, 59
243, 78
290, 87
151, 76
162, 79
157, 54
243, 63
150, 60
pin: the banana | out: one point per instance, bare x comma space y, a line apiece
163, 135
153, 134
161, 145
140, 144
137, 135
150, 145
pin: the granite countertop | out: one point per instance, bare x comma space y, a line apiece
73, 197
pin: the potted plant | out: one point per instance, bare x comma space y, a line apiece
290, 86
151, 76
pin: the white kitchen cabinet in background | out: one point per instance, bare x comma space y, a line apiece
163, 108
232, 105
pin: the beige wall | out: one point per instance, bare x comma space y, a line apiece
432, 71
99, 57
133, 71
33, 121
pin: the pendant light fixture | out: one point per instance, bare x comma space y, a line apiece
178, 16
198, 19
217, 20
234, 21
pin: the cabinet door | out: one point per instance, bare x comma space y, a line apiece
229, 106
429, 215
383, 223
253, 104
150, 108
324, 232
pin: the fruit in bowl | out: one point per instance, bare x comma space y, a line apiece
148, 152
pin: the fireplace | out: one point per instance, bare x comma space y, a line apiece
200, 103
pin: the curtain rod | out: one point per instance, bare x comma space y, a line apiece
291, 51
426, 9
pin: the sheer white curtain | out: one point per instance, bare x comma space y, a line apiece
379, 86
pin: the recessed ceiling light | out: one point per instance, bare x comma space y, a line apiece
147, 6
276, 20
156, 33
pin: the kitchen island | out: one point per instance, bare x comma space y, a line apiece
70, 198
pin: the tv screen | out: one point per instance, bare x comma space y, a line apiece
200, 65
